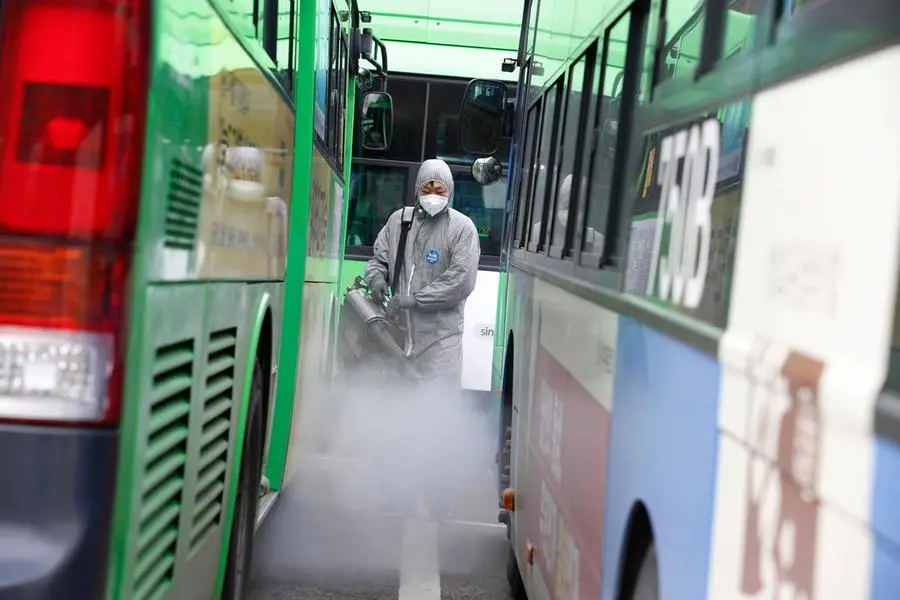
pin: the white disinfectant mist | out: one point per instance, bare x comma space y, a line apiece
369, 454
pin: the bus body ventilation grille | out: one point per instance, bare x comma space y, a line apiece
163, 470
183, 205
218, 399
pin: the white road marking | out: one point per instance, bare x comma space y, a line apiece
483, 524
420, 577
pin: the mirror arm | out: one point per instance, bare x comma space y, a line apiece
376, 67
384, 55
355, 39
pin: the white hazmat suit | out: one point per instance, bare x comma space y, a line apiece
438, 274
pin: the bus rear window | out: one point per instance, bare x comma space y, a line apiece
376, 191
485, 205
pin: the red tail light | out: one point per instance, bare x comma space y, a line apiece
73, 75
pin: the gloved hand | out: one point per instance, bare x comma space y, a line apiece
379, 290
400, 301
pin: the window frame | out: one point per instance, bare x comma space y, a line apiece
557, 87
564, 251
784, 46
292, 46
363, 252
611, 254
527, 170
333, 146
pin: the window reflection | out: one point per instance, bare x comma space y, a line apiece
567, 165
529, 165
681, 53
610, 72
409, 97
741, 23
551, 103
442, 126
485, 205
791, 7
375, 193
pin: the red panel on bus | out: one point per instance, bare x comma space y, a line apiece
569, 439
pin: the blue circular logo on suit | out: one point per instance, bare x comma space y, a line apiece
431, 256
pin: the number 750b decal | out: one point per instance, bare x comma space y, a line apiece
688, 164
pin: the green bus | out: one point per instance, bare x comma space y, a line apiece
170, 228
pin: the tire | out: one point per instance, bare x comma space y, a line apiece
514, 576
646, 586
243, 528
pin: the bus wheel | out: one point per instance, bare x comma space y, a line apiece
514, 576
646, 585
240, 549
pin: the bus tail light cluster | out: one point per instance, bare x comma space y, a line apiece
74, 79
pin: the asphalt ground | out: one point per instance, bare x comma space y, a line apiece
392, 503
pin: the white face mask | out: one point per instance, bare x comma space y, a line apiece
563, 216
433, 203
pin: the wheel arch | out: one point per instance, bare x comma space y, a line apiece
259, 346
504, 466
637, 538
508, 369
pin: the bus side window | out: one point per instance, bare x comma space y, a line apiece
742, 27
286, 36
607, 93
680, 56
336, 92
528, 169
544, 175
375, 192
790, 8
570, 141
485, 205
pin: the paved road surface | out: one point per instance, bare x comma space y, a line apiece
327, 539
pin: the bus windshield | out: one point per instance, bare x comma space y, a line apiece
426, 125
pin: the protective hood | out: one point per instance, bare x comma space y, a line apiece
434, 169
562, 202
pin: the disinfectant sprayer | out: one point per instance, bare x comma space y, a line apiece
367, 333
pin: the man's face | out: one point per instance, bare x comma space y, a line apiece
434, 187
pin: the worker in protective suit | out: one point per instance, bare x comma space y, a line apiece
438, 272
562, 213
592, 241
437, 275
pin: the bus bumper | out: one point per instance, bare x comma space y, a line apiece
56, 497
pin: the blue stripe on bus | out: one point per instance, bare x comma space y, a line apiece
663, 452
886, 521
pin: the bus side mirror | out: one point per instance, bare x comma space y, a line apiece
377, 121
487, 170
481, 116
